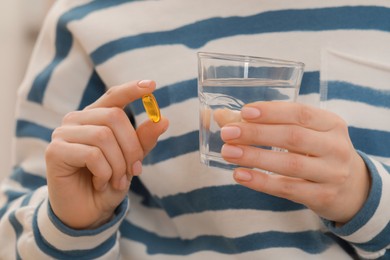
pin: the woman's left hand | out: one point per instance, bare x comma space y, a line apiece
322, 169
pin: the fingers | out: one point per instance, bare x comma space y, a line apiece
290, 113
284, 163
121, 95
294, 189
105, 125
102, 139
118, 122
226, 116
291, 137
75, 155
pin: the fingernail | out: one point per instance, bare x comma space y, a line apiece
250, 112
123, 183
137, 168
230, 132
144, 83
242, 175
231, 151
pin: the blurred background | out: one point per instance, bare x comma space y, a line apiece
20, 21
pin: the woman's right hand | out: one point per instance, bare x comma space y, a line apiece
94, 154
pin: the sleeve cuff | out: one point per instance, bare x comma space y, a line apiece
368, 230
56, 239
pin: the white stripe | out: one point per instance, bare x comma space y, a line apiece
312, 99
33, 112
245, 222
376, 64
361, 115
168, 15
44, 50
133, 250
31, 160
219, 223
370, 255
166, 68
185, 173
384, 160
151, 219
68, 91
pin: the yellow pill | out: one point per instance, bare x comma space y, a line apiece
151, 107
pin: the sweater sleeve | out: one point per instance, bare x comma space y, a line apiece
369, 230
60, 78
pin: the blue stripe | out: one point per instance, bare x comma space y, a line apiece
95, 88
3, 210
50, 250
358, 17
29, 129
18, 230
171, 94
11, 196
188, 143
310, 83
26, 200
347, 91
312, 242
184, 90
374, 142
219, 198
139, 189
27, 180
63, 43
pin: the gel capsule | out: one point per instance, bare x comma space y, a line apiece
151, 107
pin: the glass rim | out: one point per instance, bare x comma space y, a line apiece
248, 58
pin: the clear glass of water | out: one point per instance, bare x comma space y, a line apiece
226, 82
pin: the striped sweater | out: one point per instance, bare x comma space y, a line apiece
178, 207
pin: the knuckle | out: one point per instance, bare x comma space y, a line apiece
57, 132
295, 163
295, 136
340, 123
69, 117
52, 149
286, 190
115, 114
326, 197
94, 155
342, 176
342, 150
102, 134
305, 115
112, 90
253, 134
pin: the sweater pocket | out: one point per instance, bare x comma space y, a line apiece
356, 87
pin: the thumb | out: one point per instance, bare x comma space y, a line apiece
149, 132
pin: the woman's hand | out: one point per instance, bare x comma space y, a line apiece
94, 154
322, 170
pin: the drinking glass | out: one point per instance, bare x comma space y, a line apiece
226, 82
